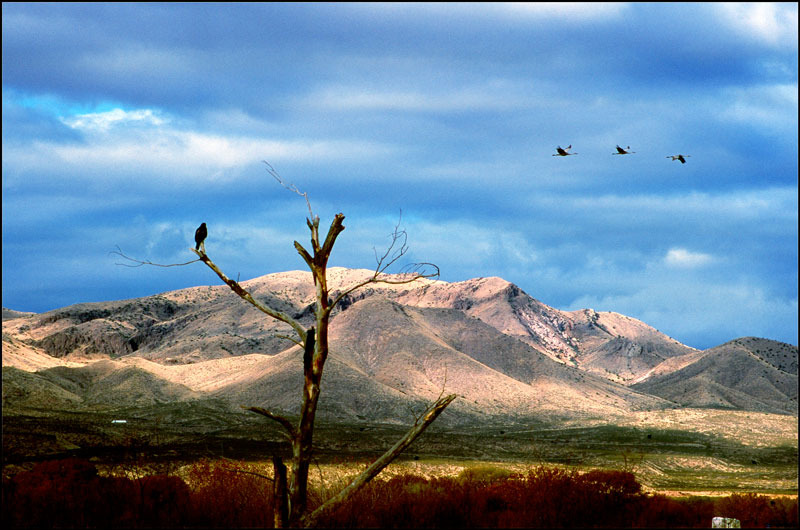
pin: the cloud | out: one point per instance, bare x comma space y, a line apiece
461, 248
155, 145
103, 121
680, 257
705, 314
771, 23
568, 11
562, 11
159, 114
778, 204
772, 107
495, 94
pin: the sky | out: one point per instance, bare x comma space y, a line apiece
125, 126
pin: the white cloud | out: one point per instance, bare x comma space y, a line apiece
461, 249
146, 140
565, 10
496, 94
771, 23
680, 257
103, 121
779, 204
692, 311
772, 106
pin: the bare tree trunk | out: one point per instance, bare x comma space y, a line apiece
372, 471
280, 508
315, 355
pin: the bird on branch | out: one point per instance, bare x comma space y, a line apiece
200, 235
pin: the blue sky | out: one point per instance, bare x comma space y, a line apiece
129, 124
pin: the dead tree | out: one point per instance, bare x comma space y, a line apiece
291, 501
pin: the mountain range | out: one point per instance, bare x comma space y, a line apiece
394, 349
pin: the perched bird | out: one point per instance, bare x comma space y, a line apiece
200, 236
564, 152
621, 151
679, 157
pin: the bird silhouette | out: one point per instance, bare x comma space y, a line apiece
621, 151
679, 157
200, 235
564, 152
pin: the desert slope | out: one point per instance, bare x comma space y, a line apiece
747, 373
393, 348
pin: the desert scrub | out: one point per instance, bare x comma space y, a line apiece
484, 473
224, 493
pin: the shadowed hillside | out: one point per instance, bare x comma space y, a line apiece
747, 373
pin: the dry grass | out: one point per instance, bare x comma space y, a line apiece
231, 494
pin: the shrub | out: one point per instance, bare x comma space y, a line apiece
484, 474
223, 494
69, 493
546, 497
660, 511
758, 510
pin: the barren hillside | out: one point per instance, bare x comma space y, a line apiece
393, 348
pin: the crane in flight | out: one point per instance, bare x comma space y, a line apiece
564, 152
626, 151
679, 157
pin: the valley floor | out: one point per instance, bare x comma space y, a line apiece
679, 452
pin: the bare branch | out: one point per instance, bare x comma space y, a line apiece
396, 250
243, 471
285, 423
239, 290
305, 255
234, 285
139, 262
291, 187
392, 254
287, 337
372, 471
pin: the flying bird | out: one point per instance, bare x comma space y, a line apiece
200, 236
679, 157
626, 151
564, 152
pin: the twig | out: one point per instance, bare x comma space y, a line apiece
139, 262
291, 187
396, 250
